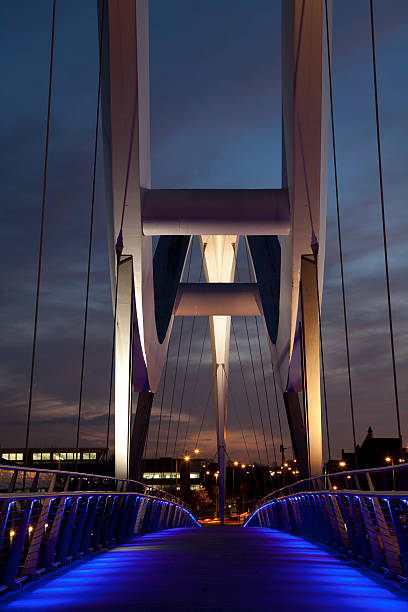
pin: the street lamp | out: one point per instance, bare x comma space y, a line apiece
236, 463
196, 451
187, 458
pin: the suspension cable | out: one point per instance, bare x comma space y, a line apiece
91, 224
161, 405
266, 392
204, 415
187, 360
246, 393
253, 366
174, 384
44, 193
195, 385
384, 231
339, 232
242, 430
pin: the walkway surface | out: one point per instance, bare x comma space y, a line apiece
213, 569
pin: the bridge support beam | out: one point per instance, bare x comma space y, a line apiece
190, 212
123, 360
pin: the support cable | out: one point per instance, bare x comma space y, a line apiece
242, 369
195, 385
252, 362
266, 393
204, 415
339, 233
236, 412
199, 365
384, 231
161, 406
174, 384
246, 393
187, 360
91, 224
44, 193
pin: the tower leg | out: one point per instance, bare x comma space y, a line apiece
139, 433
311, 360
123, 356
297, 431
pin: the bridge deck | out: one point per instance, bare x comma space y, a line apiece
210, 569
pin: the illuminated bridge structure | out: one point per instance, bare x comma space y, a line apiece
80, 542
76, 541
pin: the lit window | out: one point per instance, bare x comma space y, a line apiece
85, 455
70, 456
194, 475
147, 475
63, 456
12, 456
92, 456
36, 456
195, 487
19, 456
46, 456
5, 455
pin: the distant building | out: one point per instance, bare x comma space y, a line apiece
169, 474
373, 453
62, 458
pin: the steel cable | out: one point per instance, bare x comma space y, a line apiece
91, 224
339, 231
384, 231
44, 192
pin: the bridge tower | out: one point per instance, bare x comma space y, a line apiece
284, 229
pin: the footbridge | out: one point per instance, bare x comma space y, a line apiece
79, 541
82, 542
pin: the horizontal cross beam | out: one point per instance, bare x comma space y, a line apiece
188, 212
223, 299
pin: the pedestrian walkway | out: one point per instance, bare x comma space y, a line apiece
211, 569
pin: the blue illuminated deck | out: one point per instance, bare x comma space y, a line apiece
211, 569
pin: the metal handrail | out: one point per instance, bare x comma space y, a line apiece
49, 518
327, 482
120, 483
370, 527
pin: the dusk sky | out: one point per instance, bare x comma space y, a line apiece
215, 122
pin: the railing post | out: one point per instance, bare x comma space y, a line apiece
62, 551
79, 525
92, 506
17, 548
389, 543
400, 531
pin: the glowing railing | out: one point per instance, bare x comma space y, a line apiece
49, 519
368, 523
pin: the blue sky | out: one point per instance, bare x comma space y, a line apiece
215, 122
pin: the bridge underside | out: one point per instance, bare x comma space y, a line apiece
211, 569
